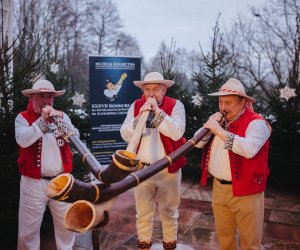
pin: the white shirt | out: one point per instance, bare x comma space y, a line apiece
151, 148
256, 135
26, 135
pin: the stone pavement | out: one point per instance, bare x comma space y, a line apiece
196, 223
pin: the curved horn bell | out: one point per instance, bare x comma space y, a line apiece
83, 215
125, 161
68, 189
122, 164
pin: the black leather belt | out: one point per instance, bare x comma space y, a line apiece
224, 182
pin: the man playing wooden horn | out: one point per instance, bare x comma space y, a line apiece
163, 134
237, 156
43, 155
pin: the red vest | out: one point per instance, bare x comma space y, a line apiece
167, 106
29, 160
249, 176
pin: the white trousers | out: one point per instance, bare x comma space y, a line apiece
166, 188
33, 201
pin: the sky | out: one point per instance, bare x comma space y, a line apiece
187, 21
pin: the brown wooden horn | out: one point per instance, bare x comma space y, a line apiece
123, 162
139, 176
66, 188
104, 195
71, 189
126, 161
83, 215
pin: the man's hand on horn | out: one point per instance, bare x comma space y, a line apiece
48, 112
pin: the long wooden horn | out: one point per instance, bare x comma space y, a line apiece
125, 161
138, 131
70, 136
66, 188
139, 176
90, 215
104, 195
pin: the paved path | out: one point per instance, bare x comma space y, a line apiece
196, 223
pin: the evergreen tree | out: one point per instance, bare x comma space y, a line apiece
212, 74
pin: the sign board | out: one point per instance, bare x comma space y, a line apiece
111, 93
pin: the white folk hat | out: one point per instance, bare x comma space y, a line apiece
233, 87
42, 86
154, 77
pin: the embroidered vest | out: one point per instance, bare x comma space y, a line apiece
167, 106
249, 176
29, 160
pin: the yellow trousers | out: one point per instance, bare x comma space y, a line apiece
237, 219
164, 188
